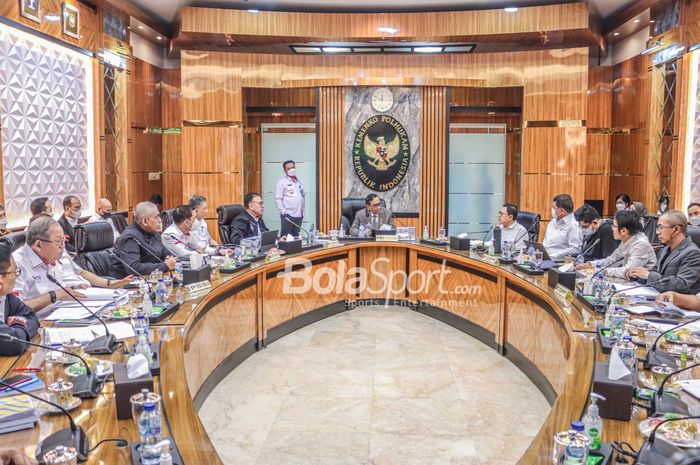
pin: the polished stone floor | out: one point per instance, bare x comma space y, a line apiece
374, 386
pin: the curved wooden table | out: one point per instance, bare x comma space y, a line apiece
549, 340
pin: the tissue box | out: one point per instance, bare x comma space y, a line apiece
565, 278
460, 243
190, 276
618, 393
124, 388
290, 246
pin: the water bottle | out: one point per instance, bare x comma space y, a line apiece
165, 457
684, 355
312, 235
362, 231
140, 325
161, 294
626, 350
521, 256
150, 432
144, 348
178, 269
147, 305
531, 255
180, 294
571, 447
426, 233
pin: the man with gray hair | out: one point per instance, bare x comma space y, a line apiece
44, 254
200, 229
103, 212
679, 261
140, 244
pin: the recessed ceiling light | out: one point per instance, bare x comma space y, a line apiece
616, 33
336, 50
636, 21
510, 10
128, 27
159, 38
307, 49
253, 11
492, 113
652, 21
387, 29
140, 27
459, 48
427, 49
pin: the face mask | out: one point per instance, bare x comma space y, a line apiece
554, 213
292, 172
77, 214
620, 206
107, 215
586, 232
663, 207
694, 220
3, 224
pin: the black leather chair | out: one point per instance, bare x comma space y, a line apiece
349, 209
167, 217
694, 234
649, 227
17, 239
120, 220
527, 219
225, 216
92, 242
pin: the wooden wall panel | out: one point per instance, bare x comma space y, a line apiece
380, 262
280, 97
170, 98
486, 97
554, 150
141, 188
145, 94
211, 91
218, 188
538, 190
433, 141
331, 155
145, 152
600, 97
172, 190
211, 149
90, 21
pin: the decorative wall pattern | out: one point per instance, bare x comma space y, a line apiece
46, 111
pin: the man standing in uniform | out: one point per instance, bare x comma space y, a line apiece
289, 199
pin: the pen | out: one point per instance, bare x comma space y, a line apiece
33, 370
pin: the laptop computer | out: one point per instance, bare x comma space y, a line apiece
267, 241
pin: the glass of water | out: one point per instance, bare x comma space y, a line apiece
537, 258
442, 233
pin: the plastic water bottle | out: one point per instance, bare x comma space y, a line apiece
521, 256
626, 350
144, 348
147, 305
150, 433
161, 294
362, 231
143, 287
684, 355
571, 447
312, 235
140, 325
531, 255
180, 294
426, 233
178, 269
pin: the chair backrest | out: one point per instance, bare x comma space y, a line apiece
225, 216
167, 217
649, 224
120, 220
349, 209
17, 239
527, 219
92, 242
694, 234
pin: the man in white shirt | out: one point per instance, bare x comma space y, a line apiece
634, 250
511, 230
178, 237
289, 199
200, 230
44, 254
103, 212
563, 236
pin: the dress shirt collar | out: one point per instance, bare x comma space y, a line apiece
512, 226
565, 220
34, 260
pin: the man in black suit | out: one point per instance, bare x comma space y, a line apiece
72, 210
593, 227
18, 320
250, 222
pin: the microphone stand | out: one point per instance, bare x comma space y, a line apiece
671, 404
106, 344
663, 358
84, 386
74, 436
650, 455
300, 227
178, 241
114, 255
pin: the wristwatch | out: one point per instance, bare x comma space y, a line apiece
52, 294
109, 282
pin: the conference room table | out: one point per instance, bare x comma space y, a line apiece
551, 340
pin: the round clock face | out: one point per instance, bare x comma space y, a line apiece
382, 99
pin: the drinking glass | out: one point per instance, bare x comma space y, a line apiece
537, 258
442, 233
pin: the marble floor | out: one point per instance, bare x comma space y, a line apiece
374, 386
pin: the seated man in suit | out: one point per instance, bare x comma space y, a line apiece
593, 228
44, 254
634, 251
41, 206
72, 209
103, 212
679, 261
18, 320
179, 237
373, 216
563, 236
140, 245
249, 223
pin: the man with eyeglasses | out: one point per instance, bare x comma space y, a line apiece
140, 245
179, 237
250, 222
18, 319
511, 230
373, 216
44, 253
634, 251
679, 260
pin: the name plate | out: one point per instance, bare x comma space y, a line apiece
493, 260
273, 257
563, 293
198, 287
387, 238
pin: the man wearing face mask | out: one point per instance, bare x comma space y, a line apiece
179, 237
679, 260
694, 214
594, 228
3, 221
289, 199
72, 210
563, 236
103, 212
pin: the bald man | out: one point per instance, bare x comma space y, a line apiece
103, 212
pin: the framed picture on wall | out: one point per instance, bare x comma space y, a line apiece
30, 9
71, 20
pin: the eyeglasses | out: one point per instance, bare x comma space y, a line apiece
375, 204
659, 227
17, 272
58, 243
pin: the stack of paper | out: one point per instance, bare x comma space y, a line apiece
33, 383
17, 413
56, 336
626, 289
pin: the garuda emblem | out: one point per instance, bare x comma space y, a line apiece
382, 155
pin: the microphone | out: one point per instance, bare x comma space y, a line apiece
297, 225
582, 254
84, 386
622, 259
106, 344
671, 404
663, 358
653, 454
74, 436
150, 253
178, 241
396, 219
526, 233
110, 252
487, 234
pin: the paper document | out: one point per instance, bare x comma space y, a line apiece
57, 336
120, 329
69, 313
98, 293
691, 386
640, 291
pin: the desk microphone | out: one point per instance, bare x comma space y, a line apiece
111, 253
658, 454
106, 344
84, 386
596, 242
670, 404
151, 253
396, 219
526, 233
189, 247
662, 358
74, 436
298, 226
611, 264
